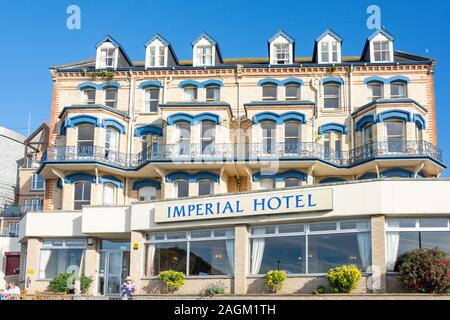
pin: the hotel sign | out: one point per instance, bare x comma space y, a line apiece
244, 205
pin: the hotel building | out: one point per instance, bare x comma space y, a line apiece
225, 169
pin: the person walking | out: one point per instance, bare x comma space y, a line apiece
127, 289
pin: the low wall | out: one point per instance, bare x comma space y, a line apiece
191, 286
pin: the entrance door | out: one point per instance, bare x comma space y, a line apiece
114, 268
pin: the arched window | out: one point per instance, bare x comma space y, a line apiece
331, 96
89, 96
111, 144
292, 92
109, 194
398, 89
151, 99
190, 93
212, 93
269, 92
395, 135
147, 194
205, 187
183, 131
208, 137
292, 137
181, 188
268, 129
85, 140
375, 91
111, 97
82, 194
292, 182
267, 184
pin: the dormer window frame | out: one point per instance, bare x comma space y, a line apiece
283, 40
379, 54
201, 56
156, 56
328, 49
107, 51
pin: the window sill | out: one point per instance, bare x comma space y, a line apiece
195, 277
148, 113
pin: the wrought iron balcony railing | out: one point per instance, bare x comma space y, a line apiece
256, 151
14, 210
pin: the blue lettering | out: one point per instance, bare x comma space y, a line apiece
168, 211
278, 201
199, 210
310, 202
208, 207
179, 212
238, 207
191, 208
228, 207
256, 204
299, 201
287, 198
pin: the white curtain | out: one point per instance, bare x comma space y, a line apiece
392, 243
150, 258
45, 258
258, 245
364, 248
229, 243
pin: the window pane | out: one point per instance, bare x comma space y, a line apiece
292, 183
290, 228
398, 90
401, 223
267, 184
269, 92
263, 230
85, 132
176, 235
332, 250
169, 256
292, 129
282, 253
201, 234
213, 93
433, 223
394, 128
205, 188
182, 188
322, 226
432, 239
211, 257
408, 241
54, 262
292, 92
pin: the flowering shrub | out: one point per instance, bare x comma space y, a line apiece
214, 288
343, 279
173, 280
425, 271
274, 280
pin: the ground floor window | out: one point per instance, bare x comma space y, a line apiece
310, 247
403, 235
195, 253
59, 256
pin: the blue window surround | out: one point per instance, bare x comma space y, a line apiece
368, 118
194, 177
111, 179
397, 172
387, 80
75, 177
394, 114
333, 80
198, 84
77, 120
100, 86
115, 124
280, 83
179, 117
281, 176
138, 184
419, 120
148, 129
368, 175
150, 83
336, 127
331, 180
279, 119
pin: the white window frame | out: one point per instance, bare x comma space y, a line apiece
417, 226
269, 98
282, 53
381, 51
211, 140
332, 49
262, 181
203, 55
35, 183
338, 96
266, 138
158, 56
298, 137
148, 100
105, 55
370, 95
112, 100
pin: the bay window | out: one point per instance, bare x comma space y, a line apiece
329, 52
82, 194
395, 136
405, 234
157, 56
85, 140
367, 134
381, 51
202, 252
310, 248
112, 144
59, 256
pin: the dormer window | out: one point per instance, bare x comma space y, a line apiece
282, 55
107, 57
204, 55
381, 51
329, 52
157, 56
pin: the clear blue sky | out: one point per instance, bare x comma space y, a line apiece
34, 36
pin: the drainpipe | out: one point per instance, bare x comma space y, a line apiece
315, 85
131, 112
352, 122
238, 140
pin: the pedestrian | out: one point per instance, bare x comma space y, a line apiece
127, 289
12, 291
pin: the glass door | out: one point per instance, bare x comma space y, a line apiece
114, 268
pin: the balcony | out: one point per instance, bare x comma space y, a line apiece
17, 211
247, 152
